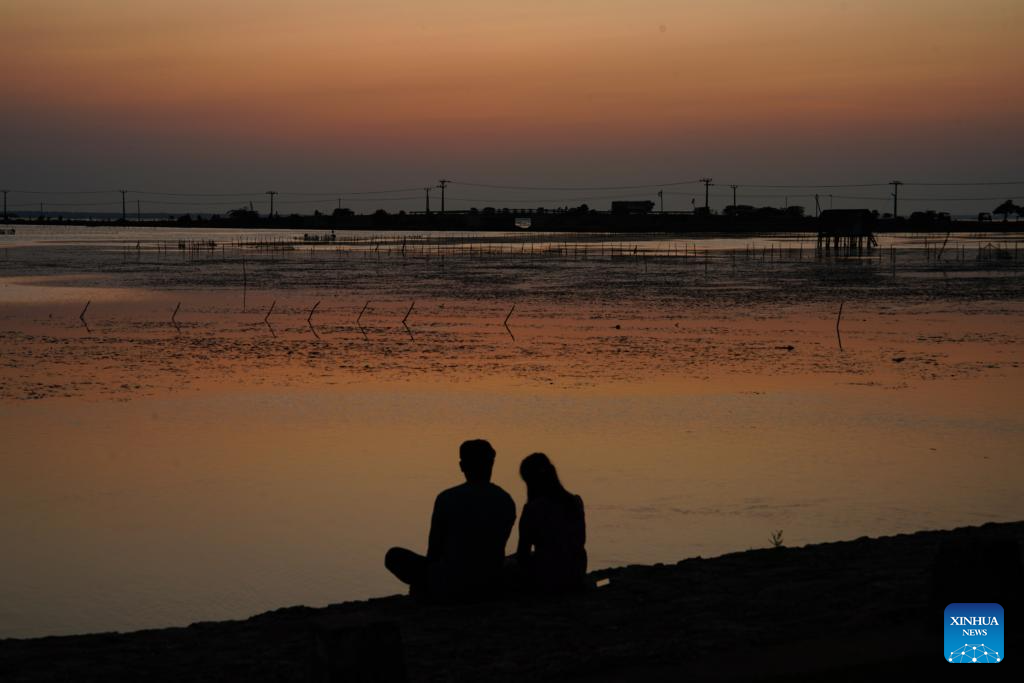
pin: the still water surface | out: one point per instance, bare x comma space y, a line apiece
155, 475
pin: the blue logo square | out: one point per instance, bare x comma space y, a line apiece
973, 633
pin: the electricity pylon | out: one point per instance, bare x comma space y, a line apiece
895, 196
707, 184
443, 184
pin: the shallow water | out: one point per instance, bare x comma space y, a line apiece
157, 472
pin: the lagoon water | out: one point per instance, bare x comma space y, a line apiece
254, 452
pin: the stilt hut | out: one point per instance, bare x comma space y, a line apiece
846, 230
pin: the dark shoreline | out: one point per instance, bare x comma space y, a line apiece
568, 222
735, 617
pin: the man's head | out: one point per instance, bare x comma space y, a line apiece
476, 459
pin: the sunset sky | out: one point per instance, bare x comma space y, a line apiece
336, 96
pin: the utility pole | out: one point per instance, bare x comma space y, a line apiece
443, 184
817, 205
895, 196
124, 213
707, 184
426, 194
830, 201
734, 195
661, 198
271, 193
339, 203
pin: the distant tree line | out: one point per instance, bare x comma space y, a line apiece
1008, 207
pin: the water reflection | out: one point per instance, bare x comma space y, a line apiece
249, 456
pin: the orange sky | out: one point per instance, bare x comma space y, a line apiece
635, 83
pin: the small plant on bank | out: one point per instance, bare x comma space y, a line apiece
776, 539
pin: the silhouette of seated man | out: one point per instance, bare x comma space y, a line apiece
468, 531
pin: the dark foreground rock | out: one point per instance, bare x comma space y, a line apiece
835, 611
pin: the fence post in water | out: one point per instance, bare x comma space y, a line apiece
245, 283
838, 319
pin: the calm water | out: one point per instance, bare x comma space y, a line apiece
157, 474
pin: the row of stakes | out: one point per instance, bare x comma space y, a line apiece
309, 318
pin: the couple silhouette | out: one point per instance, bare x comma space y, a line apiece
471, 524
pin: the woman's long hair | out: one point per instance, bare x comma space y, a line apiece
542, 481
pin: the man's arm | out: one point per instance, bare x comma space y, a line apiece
435, 541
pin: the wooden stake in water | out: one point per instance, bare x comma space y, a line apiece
274, 303
507, 328
838, 319
245, 283
406, 318
943, 248
309, 318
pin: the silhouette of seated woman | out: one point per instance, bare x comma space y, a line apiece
552, 531
468, 531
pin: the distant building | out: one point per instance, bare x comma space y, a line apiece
919, 218
632, 206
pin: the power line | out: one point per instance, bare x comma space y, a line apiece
347, 199
197, 194
811, 187
64, 191
1000, 182
332, 195
551, 199
954, 199
64, 204
553, 188
347, 192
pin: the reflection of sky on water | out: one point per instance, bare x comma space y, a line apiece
167, 510
212, 470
